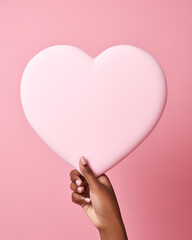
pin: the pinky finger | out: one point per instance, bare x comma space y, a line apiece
79, 199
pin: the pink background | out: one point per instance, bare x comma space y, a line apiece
153, 184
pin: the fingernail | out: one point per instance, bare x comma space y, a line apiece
88, 200
78, 182
79, 189
83, 161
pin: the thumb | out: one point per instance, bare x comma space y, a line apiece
88, 173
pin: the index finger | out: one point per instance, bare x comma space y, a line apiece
76, 177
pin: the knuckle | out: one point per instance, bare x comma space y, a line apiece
74, 175
71, 173
73, 197
74, 171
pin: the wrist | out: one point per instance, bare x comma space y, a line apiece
114, 230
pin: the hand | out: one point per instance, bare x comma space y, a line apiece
97, 198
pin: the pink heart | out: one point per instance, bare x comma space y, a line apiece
101, 108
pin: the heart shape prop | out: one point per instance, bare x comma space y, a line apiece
101, 108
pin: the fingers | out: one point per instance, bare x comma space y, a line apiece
78, 182
76, 177
80, 199
76, 188
88, 174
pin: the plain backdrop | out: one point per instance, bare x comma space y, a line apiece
154, 183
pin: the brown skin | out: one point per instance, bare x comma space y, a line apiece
102, 207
